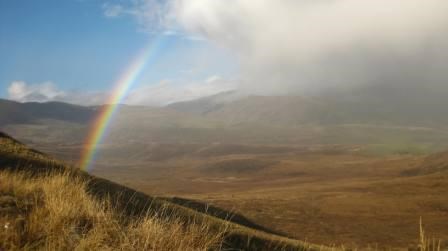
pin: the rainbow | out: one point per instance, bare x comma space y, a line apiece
119, 93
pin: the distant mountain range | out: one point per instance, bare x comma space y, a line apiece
416, 105
368, 114
12, 112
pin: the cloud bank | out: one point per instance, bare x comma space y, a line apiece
305, 45
169, 91
47, 92
23, 92
163, 93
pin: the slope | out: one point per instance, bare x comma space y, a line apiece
436, 163
18, 159
12, 112
415, 105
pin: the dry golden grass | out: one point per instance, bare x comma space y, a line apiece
426, 243
55, 212
10, 146
68, 209
45, 204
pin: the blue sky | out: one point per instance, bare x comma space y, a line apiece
76, 48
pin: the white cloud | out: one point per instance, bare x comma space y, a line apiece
213, 79
300, 44
45, 92
163, 93
167, 91
151, 15
112, 10
170, 33
310, 27
23, 92
295, 45
290, 46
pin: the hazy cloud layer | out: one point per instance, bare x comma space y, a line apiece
167, 91
304, 45
307, 44
45, 92
23, 92
163, 93
151, 15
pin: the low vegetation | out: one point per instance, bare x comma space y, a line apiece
426, 243
47, 205
56, 212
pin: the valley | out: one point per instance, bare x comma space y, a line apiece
341, 198
331, 182
332, 195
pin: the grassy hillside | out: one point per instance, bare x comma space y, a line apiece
56, 212
432, 164
47, 205
436, 163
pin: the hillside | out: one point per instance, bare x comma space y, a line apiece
206, 104
377, 115
12, 112
101, 214
435, 163
284, 111
417, 105
281, 111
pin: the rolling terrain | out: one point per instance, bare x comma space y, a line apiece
35, 212
330, 196
12, 112
353, 170
378, 115
338, 196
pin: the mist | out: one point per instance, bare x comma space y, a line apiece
304, 46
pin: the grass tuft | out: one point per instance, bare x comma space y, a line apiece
56, 212
426, 243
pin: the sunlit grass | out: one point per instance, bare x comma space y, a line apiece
56, 212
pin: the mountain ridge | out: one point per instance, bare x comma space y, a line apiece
30, 112
380, 104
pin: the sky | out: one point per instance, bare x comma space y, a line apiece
78, 50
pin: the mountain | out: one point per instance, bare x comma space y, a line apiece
12, 112
411, 104
233, 108
207, 104
286, 111
379, 114
378, 104
22, 167
417, 105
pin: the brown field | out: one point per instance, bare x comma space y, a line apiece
332, 195
45, 204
